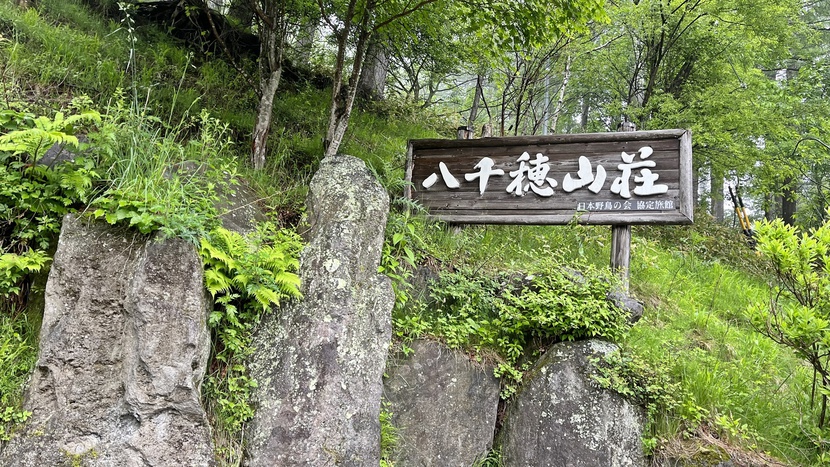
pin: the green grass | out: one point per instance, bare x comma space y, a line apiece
43, 57
695, 324
18, 353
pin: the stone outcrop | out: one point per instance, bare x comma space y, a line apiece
236, 202
631, 306
443, 406
123, 349
319, 362
561, 418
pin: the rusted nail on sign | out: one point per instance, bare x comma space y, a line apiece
640, 177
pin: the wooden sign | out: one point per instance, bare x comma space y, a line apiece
639, 177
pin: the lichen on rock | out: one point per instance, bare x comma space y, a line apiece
319, 361
561, 417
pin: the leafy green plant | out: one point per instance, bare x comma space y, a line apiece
30, 144
515, 315
798, 313
399, 256
649, 384
34, 197
493, 459
246, 275
257, 271
17, 356
157, 182
389, 436
14, 268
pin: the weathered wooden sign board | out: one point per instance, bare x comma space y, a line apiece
640, 177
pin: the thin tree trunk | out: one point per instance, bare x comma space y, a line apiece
772, 206
372, 84
336, 88
583, 118
476, 99
717, 195
788, 202
695, 188
343, 96
560, 100
270, 72
263, 121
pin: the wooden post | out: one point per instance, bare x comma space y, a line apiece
465, 132
621, 252
487, 130
621, 237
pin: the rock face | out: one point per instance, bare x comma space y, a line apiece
236, 203
319, 362
123, 350
630, 305
560, 418
443, 406
238, 209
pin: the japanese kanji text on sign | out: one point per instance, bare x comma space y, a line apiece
602, 178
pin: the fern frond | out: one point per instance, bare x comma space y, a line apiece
289, 283
216, 281
265, 297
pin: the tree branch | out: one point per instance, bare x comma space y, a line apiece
403, 13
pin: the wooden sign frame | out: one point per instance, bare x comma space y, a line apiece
646, 178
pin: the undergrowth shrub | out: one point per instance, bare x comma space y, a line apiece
515, 315
651, 385
35, 196
401, 252
17, 356
797, 314
157, 177
247, 276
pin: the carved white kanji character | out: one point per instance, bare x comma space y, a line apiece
449, 179
485, 170
536, 172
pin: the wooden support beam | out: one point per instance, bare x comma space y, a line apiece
621, 252
621, 237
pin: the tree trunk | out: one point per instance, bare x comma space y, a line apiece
343, 95
788, 202
695, 188
717, 195
372, 84
583, 118
270, 66
771, 206
560, 99
263, 120
476, 99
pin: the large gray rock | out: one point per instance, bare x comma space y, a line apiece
238, 208
236, 202
561, 418
123, 349
443, 406
319, 362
